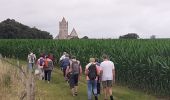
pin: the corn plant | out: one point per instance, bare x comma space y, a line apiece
141, 64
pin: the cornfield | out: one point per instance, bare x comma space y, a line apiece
140, 64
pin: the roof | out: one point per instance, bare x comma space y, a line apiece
74, 33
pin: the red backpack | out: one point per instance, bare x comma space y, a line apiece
45, 63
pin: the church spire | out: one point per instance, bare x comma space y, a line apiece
63, 31
74, 33
63, 20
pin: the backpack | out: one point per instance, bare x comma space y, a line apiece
41, 61
48, 63
45, 63
75, 67
92, 72
65, 62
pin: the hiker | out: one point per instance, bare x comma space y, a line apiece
75, 71
91, 72
31, 60
48, 67
61, 58
65, 62
40, 65
108, 76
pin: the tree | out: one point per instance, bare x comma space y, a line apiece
153, 37
11, 29
85, 37
129, 36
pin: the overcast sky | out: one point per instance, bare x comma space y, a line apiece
93, 18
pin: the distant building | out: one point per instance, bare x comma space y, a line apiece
63, 31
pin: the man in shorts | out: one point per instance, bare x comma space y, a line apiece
75, 71
108, 76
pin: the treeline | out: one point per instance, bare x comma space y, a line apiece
129, 36
11, 29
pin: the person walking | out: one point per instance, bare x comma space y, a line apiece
75, 71
108, 76
91, 72
61, 59
65, 63
31, 60
40, 64
48, 67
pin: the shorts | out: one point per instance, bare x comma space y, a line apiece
107, 83
73, 80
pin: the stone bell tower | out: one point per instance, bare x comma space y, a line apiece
63, 29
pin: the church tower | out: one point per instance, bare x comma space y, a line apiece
63, 29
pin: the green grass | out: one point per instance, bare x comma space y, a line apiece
58, 89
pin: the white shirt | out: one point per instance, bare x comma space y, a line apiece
107, 67
62, 57
29, 58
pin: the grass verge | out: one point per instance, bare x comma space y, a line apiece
58, 89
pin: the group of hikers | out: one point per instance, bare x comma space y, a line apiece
98, 75
44, 65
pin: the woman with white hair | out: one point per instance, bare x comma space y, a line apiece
31, 60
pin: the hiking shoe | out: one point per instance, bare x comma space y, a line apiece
76, 93
96, 98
